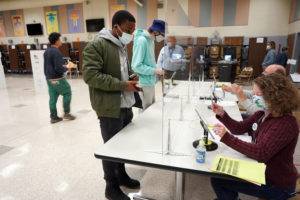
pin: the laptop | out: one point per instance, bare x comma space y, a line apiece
176, 56
227, 57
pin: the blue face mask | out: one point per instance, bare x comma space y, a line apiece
169, 44
268, 47
259, 101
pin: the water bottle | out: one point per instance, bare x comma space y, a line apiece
201, 151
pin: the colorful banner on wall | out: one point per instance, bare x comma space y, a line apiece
2, 29
75, 23
144, 15
114, 9
18, 25
68, 18
52, 22
12, 23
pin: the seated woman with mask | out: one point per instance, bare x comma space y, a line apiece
275, 135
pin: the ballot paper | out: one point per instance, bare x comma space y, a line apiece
251, 171
295, 78
212, 121
221, 103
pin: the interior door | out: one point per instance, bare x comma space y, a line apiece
256, 54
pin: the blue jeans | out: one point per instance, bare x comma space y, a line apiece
229, 189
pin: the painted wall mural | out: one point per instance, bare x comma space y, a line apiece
12, 23
75, 23
52, 22
2, 29
144, 15
67, 19
18, 25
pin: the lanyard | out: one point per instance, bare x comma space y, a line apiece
258, 122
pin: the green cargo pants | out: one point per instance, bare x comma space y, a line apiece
56, 88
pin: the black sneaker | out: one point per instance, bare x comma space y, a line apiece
129, 182
113, 192
55, 120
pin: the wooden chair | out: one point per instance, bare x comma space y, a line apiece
247, 73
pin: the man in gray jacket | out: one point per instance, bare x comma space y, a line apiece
270, 57
244, 96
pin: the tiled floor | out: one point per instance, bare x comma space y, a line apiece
41, 161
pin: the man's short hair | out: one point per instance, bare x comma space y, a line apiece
172, 37
122, 16
284, 49
53, 37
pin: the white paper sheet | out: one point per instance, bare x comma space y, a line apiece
259, 40
295, 78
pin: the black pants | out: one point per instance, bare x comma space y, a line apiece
110, 127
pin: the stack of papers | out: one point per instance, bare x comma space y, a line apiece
253, 172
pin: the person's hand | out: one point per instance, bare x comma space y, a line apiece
234, 88
131, 86
217, 109
226, 88
159, 71
220, 130
238, 90
136, 78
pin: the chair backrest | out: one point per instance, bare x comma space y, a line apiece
247, 71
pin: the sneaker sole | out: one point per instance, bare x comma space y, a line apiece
55, 122
69, 119
133, 188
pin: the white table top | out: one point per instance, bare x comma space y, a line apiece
198, 89
140, 142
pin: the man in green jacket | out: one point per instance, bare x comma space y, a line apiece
106, 70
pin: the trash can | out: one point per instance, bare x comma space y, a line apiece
227, 71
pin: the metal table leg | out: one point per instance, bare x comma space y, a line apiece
179, 185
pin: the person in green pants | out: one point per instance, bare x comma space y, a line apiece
54, 70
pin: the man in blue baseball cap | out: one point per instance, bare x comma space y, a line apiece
143, 60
